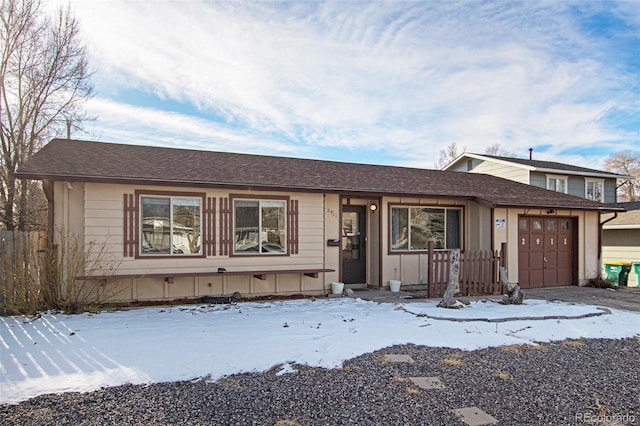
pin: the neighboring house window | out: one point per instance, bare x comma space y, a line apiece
594, 189
170, 225
557, 183
412, 227
259, 226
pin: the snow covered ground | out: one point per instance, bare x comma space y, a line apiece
62, 353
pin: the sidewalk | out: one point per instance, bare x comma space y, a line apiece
627, 298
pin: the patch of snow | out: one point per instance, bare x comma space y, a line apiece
64, 353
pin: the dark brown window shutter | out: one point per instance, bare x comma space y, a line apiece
209, 237
292, 226
131, 225
225, 227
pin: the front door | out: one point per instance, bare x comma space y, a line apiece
354, 226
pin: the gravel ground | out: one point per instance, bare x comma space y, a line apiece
561, 383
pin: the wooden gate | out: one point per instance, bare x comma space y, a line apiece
479, 271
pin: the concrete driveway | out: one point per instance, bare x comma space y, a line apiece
627, 298
619, 298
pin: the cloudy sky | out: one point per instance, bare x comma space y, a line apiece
375, 82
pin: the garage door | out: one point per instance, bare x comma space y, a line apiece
546, 248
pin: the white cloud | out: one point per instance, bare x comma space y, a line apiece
147, 126
402, 78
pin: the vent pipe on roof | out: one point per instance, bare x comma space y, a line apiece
530, 153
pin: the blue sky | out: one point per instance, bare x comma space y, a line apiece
375, 82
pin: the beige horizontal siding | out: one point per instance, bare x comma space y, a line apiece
504, 171
103, 218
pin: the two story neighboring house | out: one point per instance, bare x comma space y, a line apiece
587, 183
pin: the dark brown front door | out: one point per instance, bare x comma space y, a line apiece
546, 248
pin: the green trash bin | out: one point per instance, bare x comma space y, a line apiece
624, 274
613, 270
636, 269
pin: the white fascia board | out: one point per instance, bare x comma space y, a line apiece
634, 226
484, 158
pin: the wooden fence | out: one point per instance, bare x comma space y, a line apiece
19, 254
479, 271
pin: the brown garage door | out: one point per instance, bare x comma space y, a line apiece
546, 248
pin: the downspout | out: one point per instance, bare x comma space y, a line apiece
601, 225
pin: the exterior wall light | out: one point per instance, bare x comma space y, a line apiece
373, 207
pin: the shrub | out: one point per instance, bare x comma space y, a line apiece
38, 278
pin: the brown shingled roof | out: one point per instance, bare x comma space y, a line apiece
74, 160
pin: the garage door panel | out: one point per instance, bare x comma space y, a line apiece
536, 278
565, 276
550, 277
536, 260
550, 260
565, 258
537, 243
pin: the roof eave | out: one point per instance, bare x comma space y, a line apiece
579, 173
600, 209
632, 226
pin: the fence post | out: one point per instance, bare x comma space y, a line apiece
430, 270
502, 263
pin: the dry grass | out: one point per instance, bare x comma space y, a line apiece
576, 344
36, 278
411, 389
523, 348
503, 375
453, 360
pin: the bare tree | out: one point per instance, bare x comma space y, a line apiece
448, 154
45, 80
498, 150
626, 163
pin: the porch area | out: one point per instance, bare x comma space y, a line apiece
479, 273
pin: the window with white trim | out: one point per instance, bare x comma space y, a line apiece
594, 189
557, 183
170, 225
259, 226
413, 227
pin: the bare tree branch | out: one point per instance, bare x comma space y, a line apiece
45, 80
626, 163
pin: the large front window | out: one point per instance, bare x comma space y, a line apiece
259, 226
413, 227
171, 225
